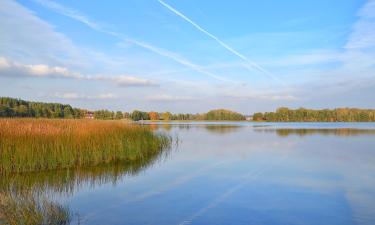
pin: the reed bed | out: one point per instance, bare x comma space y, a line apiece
28, 145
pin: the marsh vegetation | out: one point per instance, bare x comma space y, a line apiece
41, 144
40, 158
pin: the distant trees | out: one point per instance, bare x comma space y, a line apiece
167, 116
223, 114
137, 115
12, 107
220, 114
104, 114
153, 115
187, 116
258, 116
309, 115
119, 115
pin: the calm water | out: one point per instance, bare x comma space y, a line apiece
230, 173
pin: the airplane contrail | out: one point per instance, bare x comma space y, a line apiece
229, 48
178, 59
97, 26
249, 176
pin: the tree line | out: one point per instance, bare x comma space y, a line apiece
12, 107
218, 114
285, 114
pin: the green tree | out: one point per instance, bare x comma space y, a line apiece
167, 116
258, 117
119, 115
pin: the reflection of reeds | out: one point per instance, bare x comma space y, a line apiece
66, 181
28, 209
42, 144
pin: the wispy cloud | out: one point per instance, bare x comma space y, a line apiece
78, 16
69, 12
250, 64
363, 35
15, 69
168, 98
267, 97
125, 81
179, 59
76, 96
26, 37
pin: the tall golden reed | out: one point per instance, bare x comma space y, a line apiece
45, 144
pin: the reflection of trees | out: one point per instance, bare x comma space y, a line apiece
222, 129
212, 128
303, 132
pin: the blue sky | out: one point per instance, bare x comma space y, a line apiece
189, 56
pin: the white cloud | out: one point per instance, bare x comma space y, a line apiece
27, 38
14, 69
126, 81
269, 97
4, 63
11, 68
76, 96
168, 98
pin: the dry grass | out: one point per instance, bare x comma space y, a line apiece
43, 144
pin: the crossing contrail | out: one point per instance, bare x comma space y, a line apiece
99, 27
226, 46
178, 59
249, 176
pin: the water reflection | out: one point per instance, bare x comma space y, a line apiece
223, 129
27, 198
28, 208
68, 180
228, 174
211, 128
284, 132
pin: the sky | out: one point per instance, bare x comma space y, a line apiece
188, 55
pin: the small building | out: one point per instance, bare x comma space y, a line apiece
249, 118
89, 115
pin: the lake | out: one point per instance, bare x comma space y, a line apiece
229, 173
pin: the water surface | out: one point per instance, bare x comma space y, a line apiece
229, 173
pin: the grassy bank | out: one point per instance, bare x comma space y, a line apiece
42, 144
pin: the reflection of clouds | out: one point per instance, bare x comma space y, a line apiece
236, 151
363, 205
246, 178
284, 132
161, 189
331, 165
323, 162
244, 143
177, 182
224, 167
